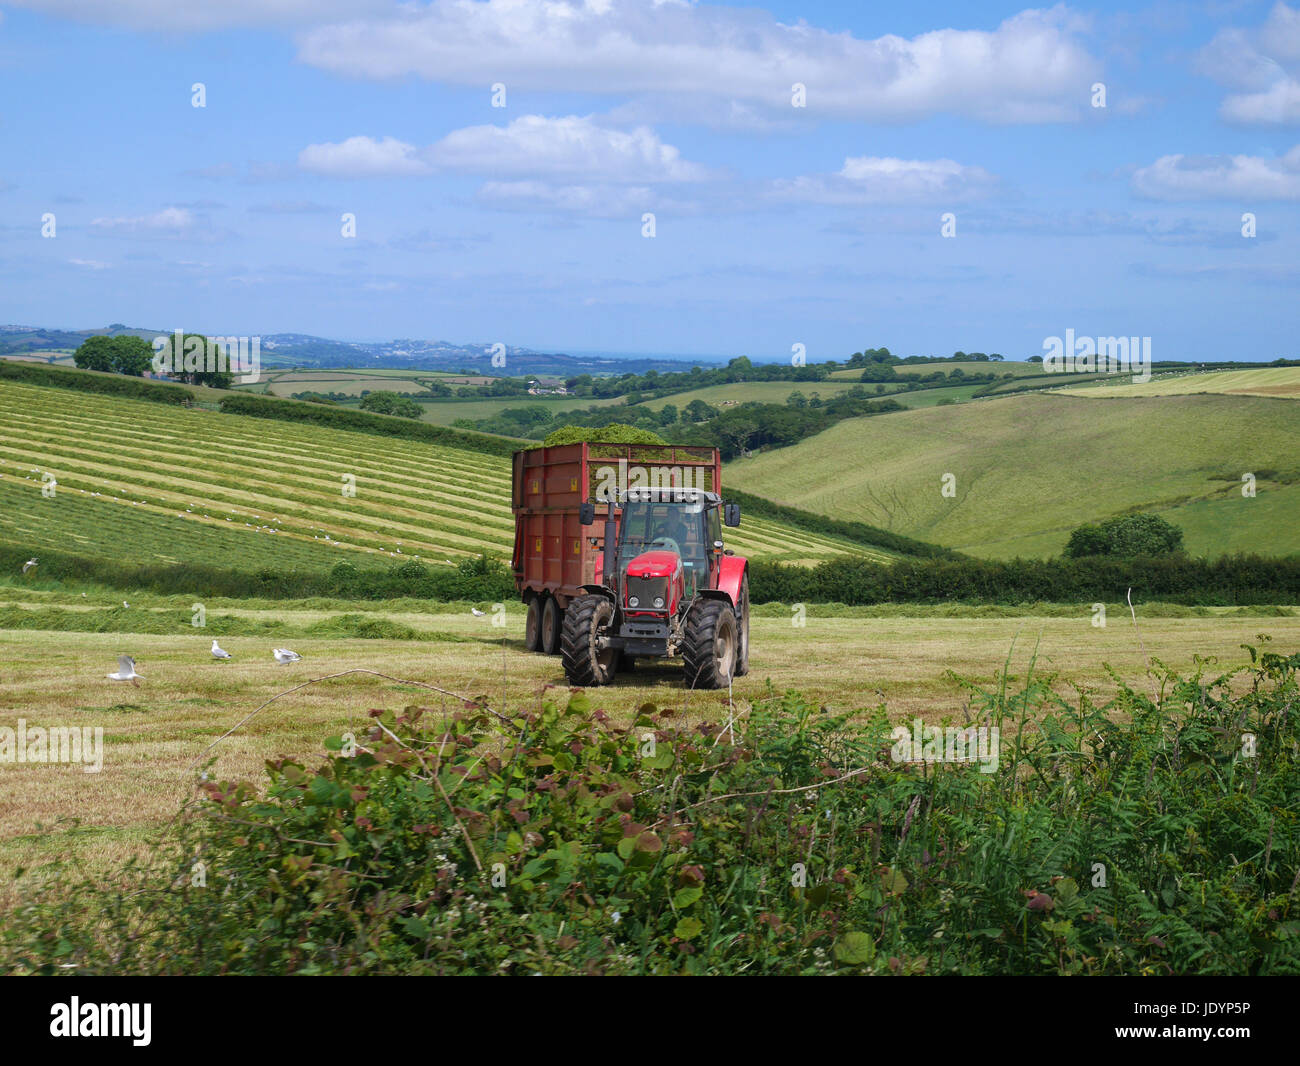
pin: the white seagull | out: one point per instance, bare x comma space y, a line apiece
284, 656
476, 612
29, 564
219, 653
126, 671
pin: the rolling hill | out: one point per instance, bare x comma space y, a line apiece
1031, 468
152, 482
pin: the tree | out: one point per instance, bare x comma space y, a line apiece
390, 403
1126, 536
95, 353
667, 415
126, 354
796, 399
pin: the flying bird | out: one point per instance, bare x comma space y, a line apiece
284, 656
476, 612
126, 671
29, 564
217, 652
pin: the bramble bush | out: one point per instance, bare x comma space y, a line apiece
1146, 835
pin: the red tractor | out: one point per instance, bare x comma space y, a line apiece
657, 582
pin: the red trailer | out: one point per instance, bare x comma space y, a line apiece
619, 554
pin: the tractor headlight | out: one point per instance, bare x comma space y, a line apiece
659, 601
632, 601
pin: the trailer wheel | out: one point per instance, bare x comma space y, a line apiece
552, 625
533, 625
742, 622
585, 622
709, 653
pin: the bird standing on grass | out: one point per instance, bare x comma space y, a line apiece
476, 612
284, 656
217, 652
126, 671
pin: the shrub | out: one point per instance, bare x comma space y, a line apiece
1126, 536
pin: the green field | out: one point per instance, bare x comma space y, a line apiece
155, 734
1281, 381
150, 482
1031, 468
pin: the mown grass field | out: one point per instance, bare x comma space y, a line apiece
138, 480
1281, 381
156, 735
1031, 468
354, 382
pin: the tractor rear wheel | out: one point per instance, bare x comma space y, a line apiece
552, 624
709, 653
742, 620
533, 625
586, 663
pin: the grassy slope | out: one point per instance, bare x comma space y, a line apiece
1031, 468
179, 485
1282, 381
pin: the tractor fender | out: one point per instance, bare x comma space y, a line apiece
730, 576
599, 590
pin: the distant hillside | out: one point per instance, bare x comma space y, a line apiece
304, 350
1031, 468
146, 481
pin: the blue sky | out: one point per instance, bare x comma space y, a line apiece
774, 224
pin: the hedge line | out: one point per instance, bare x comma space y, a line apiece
1239, 580
858, 532
85, 381
364, 422
473, 579
1227, 581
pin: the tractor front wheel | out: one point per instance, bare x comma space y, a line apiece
712, 639
586, 663
742, 622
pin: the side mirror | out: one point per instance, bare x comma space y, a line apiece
731, 514
586, 513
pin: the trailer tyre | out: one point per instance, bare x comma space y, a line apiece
585, 622
711, 641
533, 625
552, 625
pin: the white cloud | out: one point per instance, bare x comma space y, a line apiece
1243, 178
883, 180
363, 157
170, 220
1031, 68
90, 264
559, 155
590, 201
538, 147
1263, 64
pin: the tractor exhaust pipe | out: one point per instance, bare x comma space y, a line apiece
611, 550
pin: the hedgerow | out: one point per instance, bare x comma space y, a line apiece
1146, 835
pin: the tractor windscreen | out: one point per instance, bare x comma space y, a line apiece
677, 527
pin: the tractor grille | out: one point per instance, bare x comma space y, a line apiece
645, 589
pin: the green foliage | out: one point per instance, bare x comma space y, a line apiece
1227, 581
61, 378
1136, 836
390, 403
1126, 536
362, 421
614, 433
